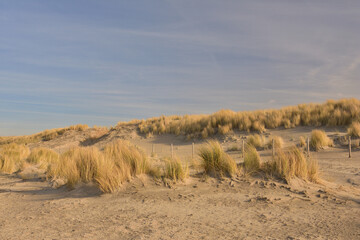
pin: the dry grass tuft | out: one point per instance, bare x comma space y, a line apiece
123, 153
252, 162
43, 157
174, 169
119, 162
302, 142
319, 140
12, 157
256, 140
354, 129
292, 163
278, 142
215, 161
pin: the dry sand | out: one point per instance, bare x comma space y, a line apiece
200, 208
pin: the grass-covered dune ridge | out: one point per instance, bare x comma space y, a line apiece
331, 113
45, 135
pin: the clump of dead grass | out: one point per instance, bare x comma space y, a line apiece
43, 157
174, 169
319, 140
302, 142
12, 157
256, 140
291, 163
117, 163
215, 161
278, 142
354, 129
252, 161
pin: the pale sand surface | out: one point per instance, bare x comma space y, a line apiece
200, 208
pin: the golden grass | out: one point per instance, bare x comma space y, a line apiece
331, 113
12, 157
116, 164
42, 136
215, 161
354, 129
291, 163
123, 153
319, 140
252, 162
302, 141
278, 142
256, 140
174, 169
43, 157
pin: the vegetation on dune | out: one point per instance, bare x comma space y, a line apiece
174, 169
291, 163
252, 162
302, 142
278, 142
215, 161
332, 113
118, 163
42, 136
319, 140
43, 157
354, 129
12, 157
256, 140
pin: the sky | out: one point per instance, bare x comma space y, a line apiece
99, 62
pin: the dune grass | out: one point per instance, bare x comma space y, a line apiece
43, 157
278, 142
45, 135
12, 157
252, 162
256, 140
116, 164
291, 163
319, 140
215, 161
331, 113
302, 141
354, 130
174, 169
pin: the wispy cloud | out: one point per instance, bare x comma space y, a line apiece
117, 61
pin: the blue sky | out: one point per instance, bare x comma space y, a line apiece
100, 62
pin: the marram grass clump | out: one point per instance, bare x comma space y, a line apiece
215, 161
278, 142
319, 140
12, 157
252, 161
291, 163
43, 157
354, 130
174, 170
256, 140
109, 169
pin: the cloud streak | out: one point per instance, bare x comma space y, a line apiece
99, 63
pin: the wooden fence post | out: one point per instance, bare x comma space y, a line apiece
349, 146
153, 149
193, 150
308, 146
243, 148
172, 151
